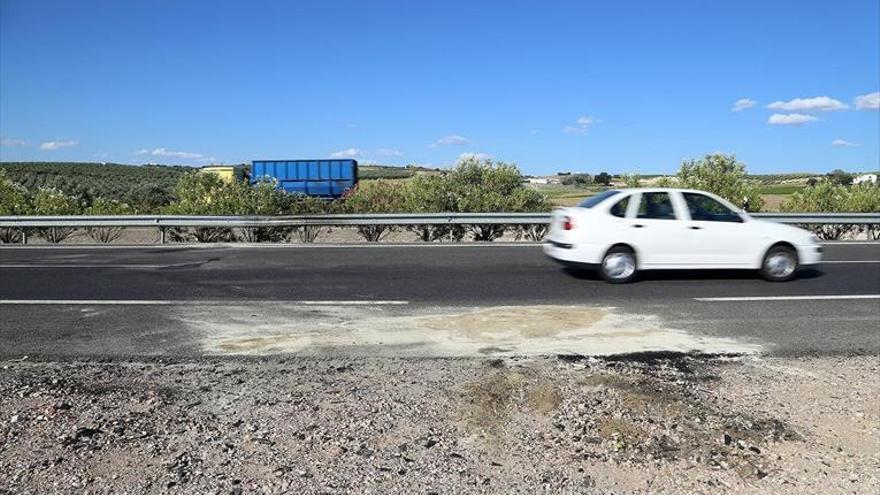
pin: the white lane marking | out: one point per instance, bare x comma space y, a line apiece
148, 302
788, 298
79, 265
849, 261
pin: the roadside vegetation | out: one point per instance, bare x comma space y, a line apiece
145, 188
472, 186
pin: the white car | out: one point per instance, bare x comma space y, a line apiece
620, 232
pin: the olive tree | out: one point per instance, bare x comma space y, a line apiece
722, 175
432, 194
484, 186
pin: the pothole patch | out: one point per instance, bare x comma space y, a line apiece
445, 332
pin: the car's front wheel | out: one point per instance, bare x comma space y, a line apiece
618, 265
780, 264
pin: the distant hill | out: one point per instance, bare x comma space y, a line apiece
391, 172
144, 186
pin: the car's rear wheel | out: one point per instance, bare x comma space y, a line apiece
619, 265
780, 264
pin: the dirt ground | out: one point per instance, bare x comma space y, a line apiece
644, 424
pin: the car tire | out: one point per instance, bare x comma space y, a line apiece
619, 265
780, 264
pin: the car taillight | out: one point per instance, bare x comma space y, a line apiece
567, 223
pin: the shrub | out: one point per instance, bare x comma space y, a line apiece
631, 180
603, 178
148, 198
839, 177
14, 200
309, 205
262, 199
722, 175
199, 194
52, 202
484, 186
829, 196
577, 180
380, 197
101, 206
432, 194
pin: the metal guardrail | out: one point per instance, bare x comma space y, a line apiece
163, 222
368, 219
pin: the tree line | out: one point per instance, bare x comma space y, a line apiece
472, 186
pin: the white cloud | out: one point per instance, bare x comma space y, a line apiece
54, 145
348, 153
790, 119
870, 101
11, 142
452, 139
184, 155
472, 155
815, 104
388, 152
535, 131
743, 103
843, 143
581, 125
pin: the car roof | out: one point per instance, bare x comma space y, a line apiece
659, 189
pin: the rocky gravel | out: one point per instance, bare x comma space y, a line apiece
648, 423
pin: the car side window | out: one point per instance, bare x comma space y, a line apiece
705, 209
619, 208
656, 206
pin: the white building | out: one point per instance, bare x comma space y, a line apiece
865, 178
538, 180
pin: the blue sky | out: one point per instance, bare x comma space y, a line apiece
587, 86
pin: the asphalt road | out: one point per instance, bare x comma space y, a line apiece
105, 301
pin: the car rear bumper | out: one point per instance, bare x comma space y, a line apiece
573, 254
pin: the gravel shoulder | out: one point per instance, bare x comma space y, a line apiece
659, 424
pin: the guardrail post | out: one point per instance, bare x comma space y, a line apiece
24, 233
162, 235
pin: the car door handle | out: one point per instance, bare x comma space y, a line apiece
694, 227
638, 226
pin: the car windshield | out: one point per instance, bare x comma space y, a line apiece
594, 200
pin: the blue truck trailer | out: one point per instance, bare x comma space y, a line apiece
322, 178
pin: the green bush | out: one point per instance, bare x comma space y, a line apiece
484, 186
722, 175
101, 206
432, 194
200, 194
830, 196
631, 180
578, 180
310, 205
52, 202
380, 197
14, 200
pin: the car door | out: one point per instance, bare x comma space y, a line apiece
717, 235
656, 230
